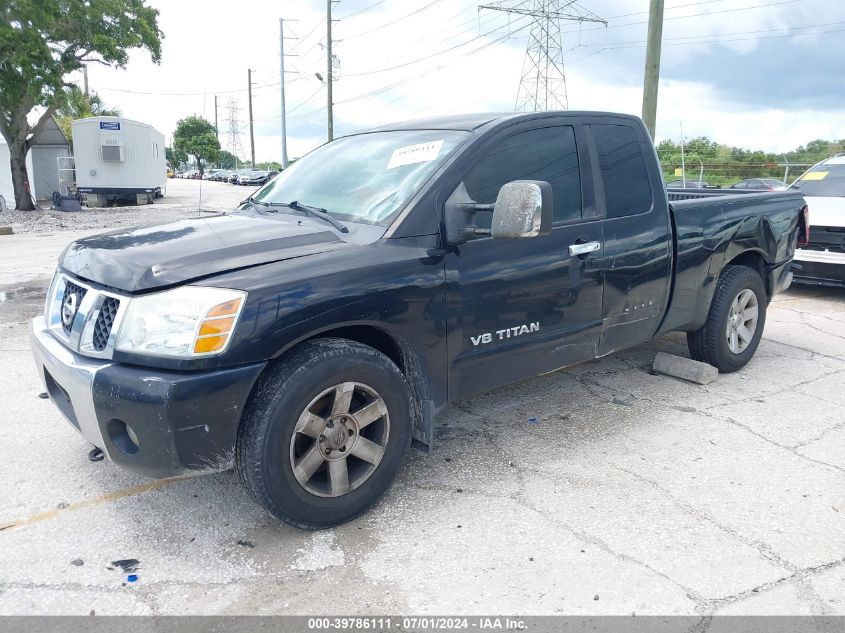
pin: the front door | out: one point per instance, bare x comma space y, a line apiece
526, 306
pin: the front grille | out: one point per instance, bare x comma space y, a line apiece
71, 289
105, 320
102, 314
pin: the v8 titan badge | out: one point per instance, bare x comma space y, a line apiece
508, 332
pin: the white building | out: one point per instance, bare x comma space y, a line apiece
41, 164
117, 158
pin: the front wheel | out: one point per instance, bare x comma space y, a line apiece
325, 433
734, 325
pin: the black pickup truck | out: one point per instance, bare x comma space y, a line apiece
309, 337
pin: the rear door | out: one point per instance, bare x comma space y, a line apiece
526, 306
637, 232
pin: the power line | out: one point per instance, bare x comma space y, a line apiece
407, 64
677, 6
295, 108
302, 39
392, 22
190, 94
364, 10
687, 17
428, 55
418, 76
708, 38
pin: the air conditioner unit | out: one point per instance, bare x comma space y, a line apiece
111, 147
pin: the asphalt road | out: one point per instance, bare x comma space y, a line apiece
633, 493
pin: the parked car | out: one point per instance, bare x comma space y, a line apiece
210, 174
822, 261
233, 178
222, 175
688, 184
760, 184
258, 177
307, 338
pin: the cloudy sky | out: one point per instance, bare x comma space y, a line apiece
754, 73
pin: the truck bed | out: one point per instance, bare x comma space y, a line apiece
710, 230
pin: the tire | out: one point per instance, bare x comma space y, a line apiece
724, 341
295, 416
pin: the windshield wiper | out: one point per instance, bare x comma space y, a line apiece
254, 204
316, 212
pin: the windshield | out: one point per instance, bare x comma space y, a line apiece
822, 180
364, 178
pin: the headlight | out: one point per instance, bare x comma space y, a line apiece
185, 322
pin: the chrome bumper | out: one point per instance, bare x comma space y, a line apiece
68, 379
821, 257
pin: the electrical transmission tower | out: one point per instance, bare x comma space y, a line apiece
543, 82
233, 130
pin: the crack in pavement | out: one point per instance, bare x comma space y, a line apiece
765, 550
835, 427
796, 576
790, 449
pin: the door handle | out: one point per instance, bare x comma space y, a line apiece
576, 250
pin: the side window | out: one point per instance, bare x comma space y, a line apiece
546, 154
627, 188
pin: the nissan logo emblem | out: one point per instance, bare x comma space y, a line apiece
69, 309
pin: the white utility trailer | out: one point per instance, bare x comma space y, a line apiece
118, 159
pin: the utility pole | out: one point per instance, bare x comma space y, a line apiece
251, 134
85, 78
282, 83
329, 68
652, 64
216, 129
543, 82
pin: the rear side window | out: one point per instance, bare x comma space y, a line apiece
627, 188
548, 154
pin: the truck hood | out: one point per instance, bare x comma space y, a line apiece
826, 211
151, 257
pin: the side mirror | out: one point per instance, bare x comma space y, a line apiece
523, 209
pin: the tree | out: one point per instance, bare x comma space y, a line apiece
78, 105
228, 160
197, 137
41, 42
177, 157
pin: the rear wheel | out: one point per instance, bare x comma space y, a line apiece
325, 433
734, 325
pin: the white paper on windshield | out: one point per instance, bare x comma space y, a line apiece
411, 154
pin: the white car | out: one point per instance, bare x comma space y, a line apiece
822, 261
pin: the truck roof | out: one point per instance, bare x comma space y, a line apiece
477, 121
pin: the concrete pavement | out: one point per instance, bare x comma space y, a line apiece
633, 492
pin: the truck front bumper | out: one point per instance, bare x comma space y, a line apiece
154, 422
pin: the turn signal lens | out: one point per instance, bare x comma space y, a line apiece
210, 344
217, 326
225, 309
